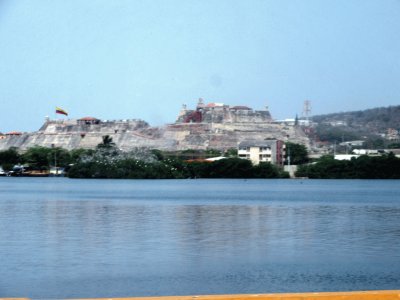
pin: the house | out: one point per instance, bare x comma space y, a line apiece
14, 133
272, 151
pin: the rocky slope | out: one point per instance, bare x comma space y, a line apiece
129, 134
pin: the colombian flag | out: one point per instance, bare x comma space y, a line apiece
61, 111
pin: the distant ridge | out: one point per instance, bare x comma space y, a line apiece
379, 118
362, 124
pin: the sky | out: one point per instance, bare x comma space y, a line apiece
133, 59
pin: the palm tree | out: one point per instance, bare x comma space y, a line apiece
107, 142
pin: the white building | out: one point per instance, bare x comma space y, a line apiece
366, 151
272, 151
346, 156
352, 143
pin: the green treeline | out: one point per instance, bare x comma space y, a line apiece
40, 158
142, 164
363, 167
172, 169
107, 161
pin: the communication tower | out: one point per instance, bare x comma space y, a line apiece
306, 109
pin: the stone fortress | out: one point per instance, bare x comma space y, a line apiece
221, 113
208, 126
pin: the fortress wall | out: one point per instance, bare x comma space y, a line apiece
131, 134
103, 127
13, 141
226, 114
90, 141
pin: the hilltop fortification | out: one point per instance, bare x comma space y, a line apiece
223, 114
209, 126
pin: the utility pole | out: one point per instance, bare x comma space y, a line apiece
55, 158
55, 161
334, 150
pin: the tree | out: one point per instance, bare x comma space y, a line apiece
265, 170
374, 142
394, 146
77, 154
364, 167
107, 142
38, 157
332, 134
8, 158
59, 157
231, 168
158, 154
298, 153
212, 152
232, 152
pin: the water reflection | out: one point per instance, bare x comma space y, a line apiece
102, 239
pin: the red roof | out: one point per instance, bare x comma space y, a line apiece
202, 160
215, 104
211, 104
14, 133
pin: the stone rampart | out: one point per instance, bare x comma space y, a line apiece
129, 134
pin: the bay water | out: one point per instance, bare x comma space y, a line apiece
64, 238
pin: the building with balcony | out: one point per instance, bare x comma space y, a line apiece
272, 151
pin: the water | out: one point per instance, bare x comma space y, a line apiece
62, 238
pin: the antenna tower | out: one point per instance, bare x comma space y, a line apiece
307, 109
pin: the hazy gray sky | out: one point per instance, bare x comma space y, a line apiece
125, 59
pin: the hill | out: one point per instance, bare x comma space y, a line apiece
378, 125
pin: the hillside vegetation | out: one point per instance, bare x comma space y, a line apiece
371, 124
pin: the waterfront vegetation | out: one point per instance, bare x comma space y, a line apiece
107, 161
364, 167
153, 164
